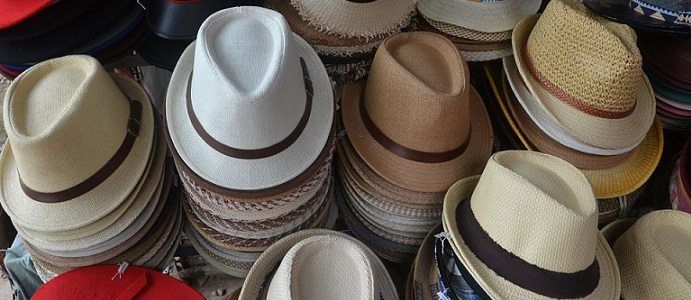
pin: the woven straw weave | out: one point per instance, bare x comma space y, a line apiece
468, 33
587, 58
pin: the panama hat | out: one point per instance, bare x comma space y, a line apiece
458, 31
652, 256
340, 267
615, 229
417, 121
613, 109
367, 19
527, 228
658, 16
17, 11
484, 16
269, 140
72, 101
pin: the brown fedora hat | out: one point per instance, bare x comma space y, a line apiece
417, 121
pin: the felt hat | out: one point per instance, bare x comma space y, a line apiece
668, 17
14, 12
527, 228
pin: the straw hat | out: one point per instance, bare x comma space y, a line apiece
615, 229
340, 267
485, 16
462, 32
365, 19
109, 125
268, 140
653, 256
527, 228
612, 109
416, 121
423, 287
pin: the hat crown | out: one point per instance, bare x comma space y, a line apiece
539, 208
417, 92
65, 119
653, 256
247, 89
579, 55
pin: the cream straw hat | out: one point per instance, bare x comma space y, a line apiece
484, 16
527, 229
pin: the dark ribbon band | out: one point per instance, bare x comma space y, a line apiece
133, 127
403, 151
516, 270
255, 153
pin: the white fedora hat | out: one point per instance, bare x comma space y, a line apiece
527, 229
79, 143
258, 108
483, 16
318, 264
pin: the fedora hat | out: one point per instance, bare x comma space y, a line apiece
17, 11
527, 228
652, 256
483, 16
109, 126
46, 19
657, 16
339, 267
417, 121
275, 126
612, 109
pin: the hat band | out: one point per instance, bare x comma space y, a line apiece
133, 126
403, 151
518, 271
571, 100
255, 153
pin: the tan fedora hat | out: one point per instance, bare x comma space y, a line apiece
527, 229
653, 256
586, 73
417, 122
318, 264
78, 144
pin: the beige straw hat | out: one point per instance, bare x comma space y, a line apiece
562, 57
357, 18
653, 257
78, 145
417, 122
458, 31
318, 264
483, 16
246, 61
527, 229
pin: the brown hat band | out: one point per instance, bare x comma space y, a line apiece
403, 151
571, 100
518, 271
133, 126
255, 153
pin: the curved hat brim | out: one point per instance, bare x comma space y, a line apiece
626, 15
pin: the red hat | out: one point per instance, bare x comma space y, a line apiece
104, 282
15, 11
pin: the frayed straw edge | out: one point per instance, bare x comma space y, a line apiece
345, 52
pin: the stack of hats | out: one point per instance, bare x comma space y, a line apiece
345, 33
250, 116
527, 229
173, 25
480, 29
564, 104
84, 177
671, 17
318, 264
413, 128
33, 31
680, 182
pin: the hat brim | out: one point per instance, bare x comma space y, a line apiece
615, 229
250, 174
120, 187
417, 176
17, 11
621, 133
626, 15
496, 286
216, 259
491, 16
420, 271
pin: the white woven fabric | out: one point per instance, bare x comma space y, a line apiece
485, 55
487, 16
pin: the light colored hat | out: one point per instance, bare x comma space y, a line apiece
484, 16
79, 140
417, 121
319, 264
246, 62
365, 19
653, 257
527, 229
466, 33
585, 73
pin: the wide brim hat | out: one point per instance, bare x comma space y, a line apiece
268, 262
250, 174
496, 286
98, 202
487, 16
621, 12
